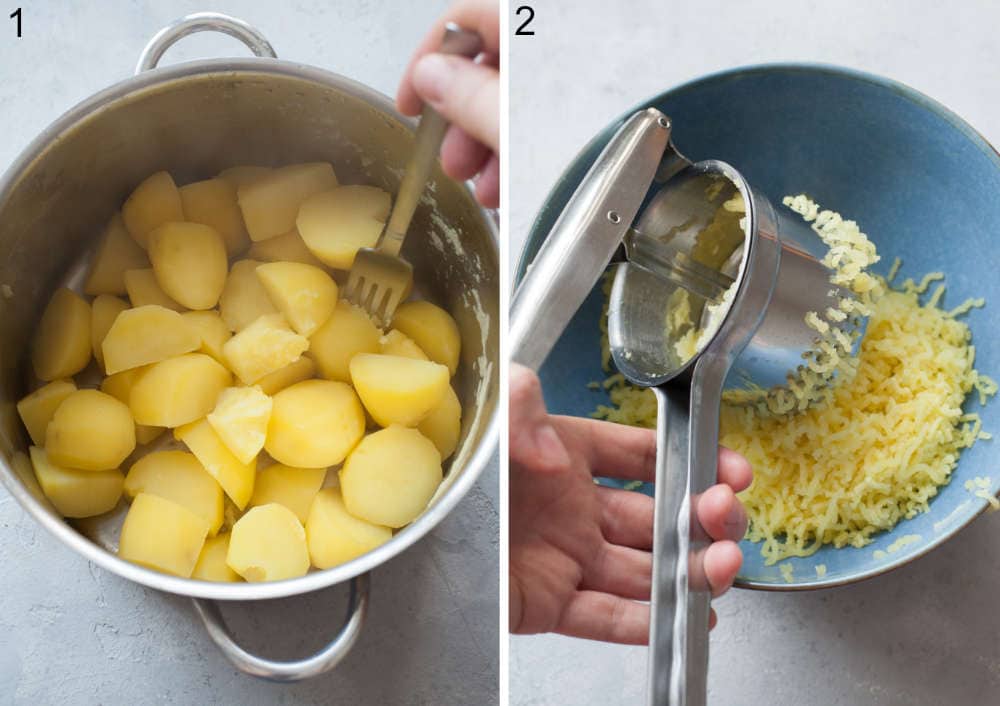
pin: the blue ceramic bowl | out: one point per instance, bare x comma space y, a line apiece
922, 183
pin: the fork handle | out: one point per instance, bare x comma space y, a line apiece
426, 145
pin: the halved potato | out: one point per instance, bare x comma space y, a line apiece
90, 431
116, 253
443, 425
346, 333
433, 329
38, 408
398, 390
189, 261
296, 371
391, 476
266, 345
294, 488
147, 334
314, 424
162, 535
335, 536
154, 202
235, 478
284, 248
212, 564
144, 290
103, 312
213, 331
268, 544
271, 203
212, 202
244, 299
398, 343
306, 295
177, 390
62, 339
240, 419
334, 224
243, 174
76, 493
179, 477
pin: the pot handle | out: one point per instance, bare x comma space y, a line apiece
322, 661
202, 22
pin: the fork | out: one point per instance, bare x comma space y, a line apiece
379, 278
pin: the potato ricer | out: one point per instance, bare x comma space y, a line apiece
713, 295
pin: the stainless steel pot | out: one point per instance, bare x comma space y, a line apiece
194, 119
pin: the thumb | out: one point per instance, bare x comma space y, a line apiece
533, 441
467, 94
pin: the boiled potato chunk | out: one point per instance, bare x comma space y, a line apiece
391, 476
240, 419
213, 203
244, 299
116, 253
162, 535
236, 478
213, 331
119, 386
294, 488
314, 424
398, 343
90, 431
177, 390
243, 174
433, 329
144, 290
154, 202
103, 312
212, 564
335, 224
285, 248
398, 390
180, 478
297, 371
266, 345
306, 295
62, 340
145, 435
335, 536
38, 408
271, 203
76, 493
189, 261
147, 334
268, 544
443, 425
346, 333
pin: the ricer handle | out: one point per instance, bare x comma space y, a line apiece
686, 466
586, 235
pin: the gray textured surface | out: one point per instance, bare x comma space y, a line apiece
73, 634
928, 634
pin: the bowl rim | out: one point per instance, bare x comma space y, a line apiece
535, 239
62, 530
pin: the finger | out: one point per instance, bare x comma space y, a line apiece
722, 563
734, 470
612, 450
600, 616
626, 517
467, 94
533, 440
713, 619
488, 183
620, 571
462, 157
482, 16
721, 514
